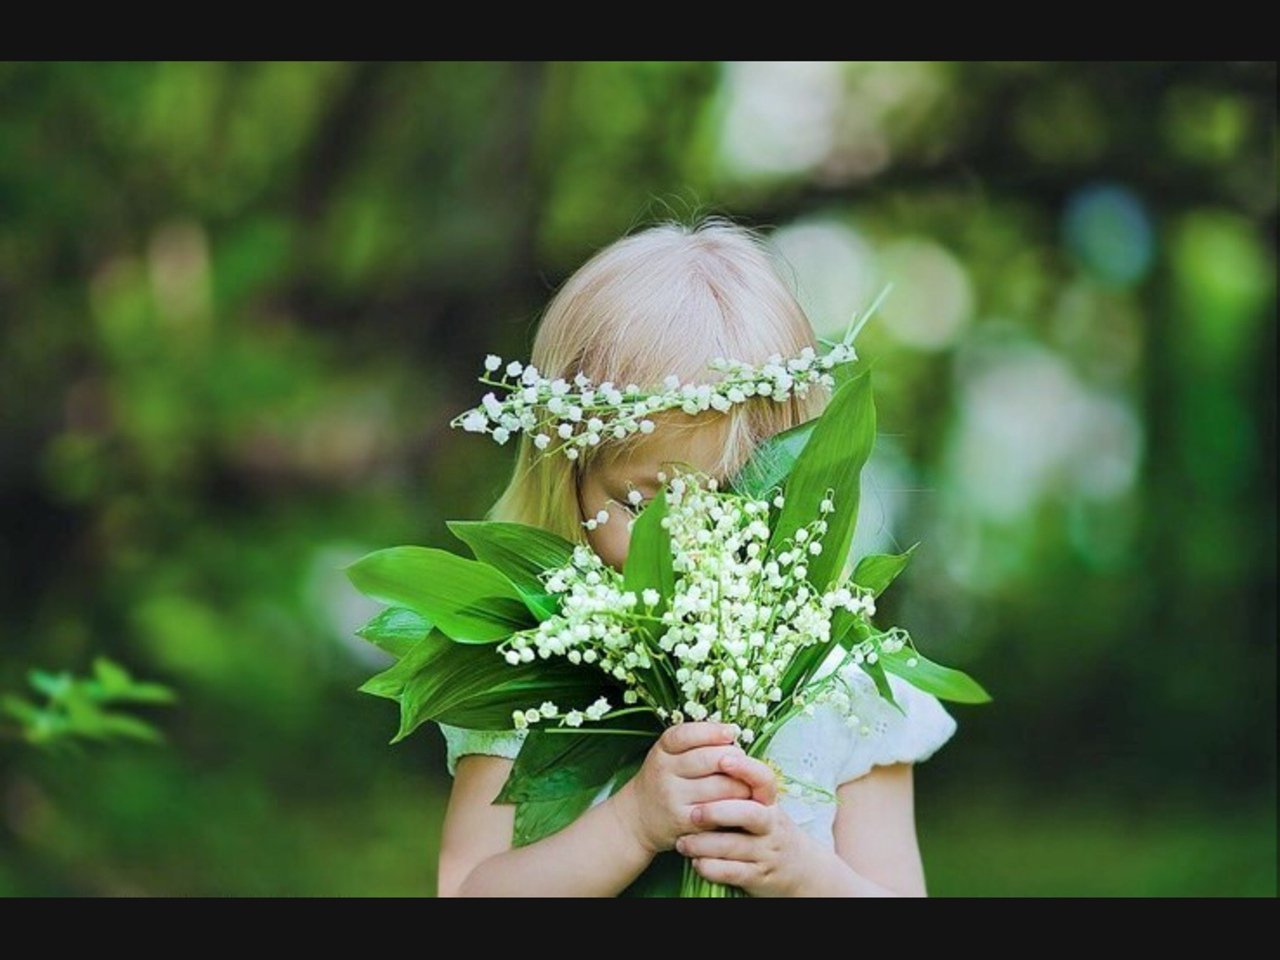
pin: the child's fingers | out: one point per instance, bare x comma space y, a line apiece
720, 844
717, 786
735, 873
758, 775
680, 737
704, 761
751, 816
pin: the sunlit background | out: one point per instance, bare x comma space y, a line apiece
240, 303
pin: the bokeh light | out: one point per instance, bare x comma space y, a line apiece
832, 271
932, 297
1108, 228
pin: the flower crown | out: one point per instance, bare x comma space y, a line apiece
564, 416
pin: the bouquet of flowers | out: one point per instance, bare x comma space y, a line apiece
730, 601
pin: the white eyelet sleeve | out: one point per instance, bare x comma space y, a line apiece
495, 743
882, 735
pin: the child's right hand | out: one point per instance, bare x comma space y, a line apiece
680, 771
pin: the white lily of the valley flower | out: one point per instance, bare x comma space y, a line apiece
729, 632
610, 412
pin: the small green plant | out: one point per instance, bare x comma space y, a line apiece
77, 709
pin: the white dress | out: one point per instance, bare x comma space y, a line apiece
819, 748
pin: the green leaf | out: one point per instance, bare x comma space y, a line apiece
540, 818
114, 684
772, 461
53, 685
396, 630
21, 710
74, 708
559, 764
833, 460
553, 785
648, 563
849, 628
468, 600
946, 683
520, 551
87, 719
114, 724
469, 685
111, 675
877, 570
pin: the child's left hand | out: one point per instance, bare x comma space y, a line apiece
770, 857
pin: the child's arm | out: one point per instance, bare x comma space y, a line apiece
875, 834
605, 848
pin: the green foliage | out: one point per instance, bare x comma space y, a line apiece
773, 460
557, 774
468, 600
519, 551
76, 708
946, 683
557, 763
396, 630
877, 570
470, 685
831, 460
648, 563
535, 819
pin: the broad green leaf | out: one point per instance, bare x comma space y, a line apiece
558, 764
946, 683
520, 551
833, 460
396, 630
470, 685
535, 819
468, 600
611, 762
648, 561
772, 461
877, 570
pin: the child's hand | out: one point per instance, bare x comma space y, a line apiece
683, 769
770, 857
756, 774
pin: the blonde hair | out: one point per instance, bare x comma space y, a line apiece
664, 300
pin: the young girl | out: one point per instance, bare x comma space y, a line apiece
664, 301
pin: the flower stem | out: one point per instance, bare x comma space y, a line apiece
693, 884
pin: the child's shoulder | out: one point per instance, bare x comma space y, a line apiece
843, 739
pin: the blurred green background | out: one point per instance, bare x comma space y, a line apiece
240, 302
